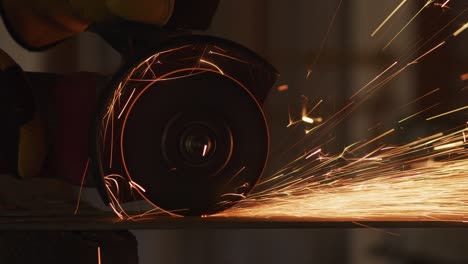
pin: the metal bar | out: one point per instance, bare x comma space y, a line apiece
107, 222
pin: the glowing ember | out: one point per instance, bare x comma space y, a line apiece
445, 4
283, 88
99, 255
205, 147
307, 119
464, 77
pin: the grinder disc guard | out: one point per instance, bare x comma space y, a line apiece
183, 129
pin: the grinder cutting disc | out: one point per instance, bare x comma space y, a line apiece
183, 131
195, 143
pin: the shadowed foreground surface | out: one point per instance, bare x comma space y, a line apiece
68, 247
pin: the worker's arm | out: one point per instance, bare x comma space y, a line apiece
37, 24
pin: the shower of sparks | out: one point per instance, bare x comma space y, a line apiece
426, 179
419, 181
388, 17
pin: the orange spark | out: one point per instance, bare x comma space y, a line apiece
226, 56
324, 40
444, 4
415, 114
282, 88
428, 52
421, 97
99, 254
126, 103
205, 147
85, 172
212, 64
373, 140
134, 184
464, 77
376, 77
313, 153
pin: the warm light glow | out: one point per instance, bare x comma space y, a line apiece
307, 120
464, 77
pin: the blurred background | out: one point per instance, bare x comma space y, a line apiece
316, 60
